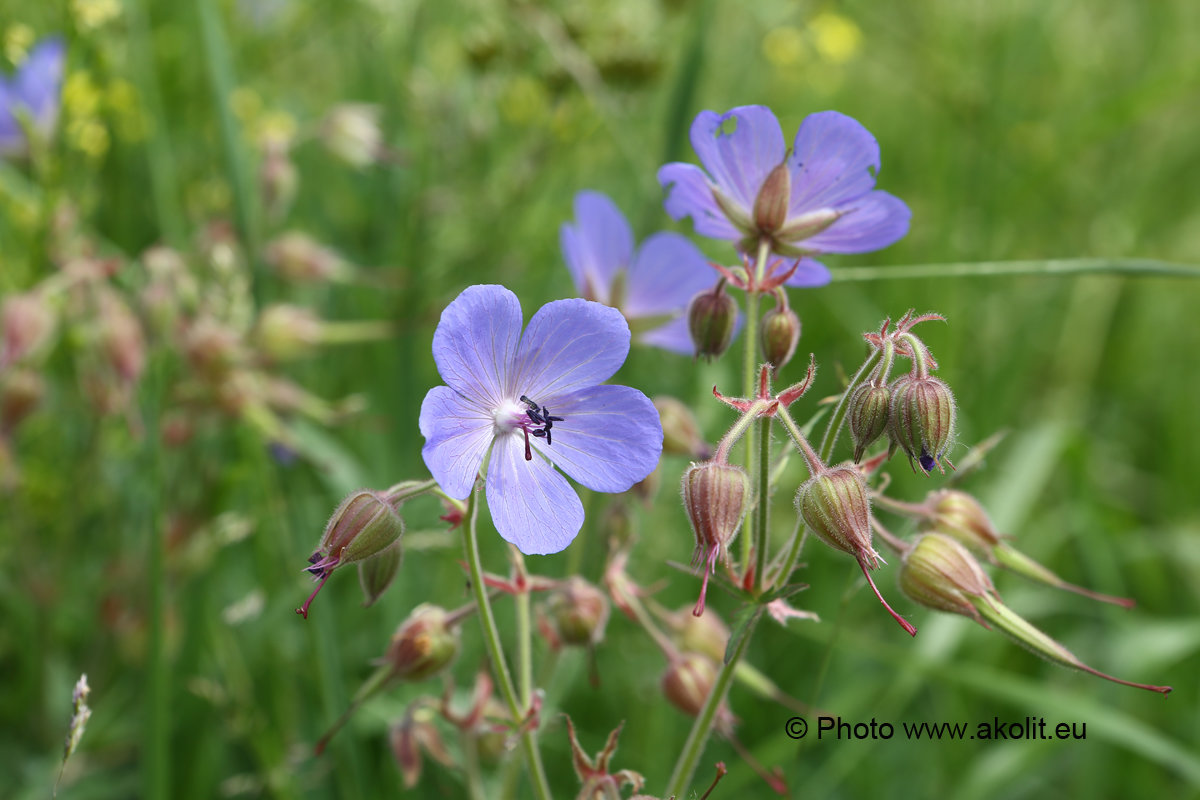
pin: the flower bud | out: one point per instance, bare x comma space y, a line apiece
941, 574
773, 200
688, 681
286, 332
715, 497
835, 507
712, 316
121, 339
921, 419
423, 645
779, 334
26, 322
376, 574
867, 414
212, 348
278, 177
364, 525
579, 611
21, 392
681, 431
351, 132
707, 635
960, 516
298, 257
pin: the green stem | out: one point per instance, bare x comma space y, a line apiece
839, 413
158, 726
1042, 267
470, 751
763, 506
216, 55
693, 748
491, 638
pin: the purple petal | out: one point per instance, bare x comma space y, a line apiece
673, 336
667, 272
569, 345
532, 505
37, 83
809, 274
874, 221
738, 161
475, 342
597, 246
12, 138
690, 195
610, 437
457, 433
833, 160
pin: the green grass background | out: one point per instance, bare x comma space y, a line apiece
1014, 130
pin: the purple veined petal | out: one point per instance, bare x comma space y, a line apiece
569, 345
667, 271
610, 437
673, 336
457, 434
476, 341
597, 246
532, 505
689, 194
740, 160
833, 160
872, 222
808, 275
36, 84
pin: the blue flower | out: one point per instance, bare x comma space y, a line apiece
530, 402
33, 92
651, 285
818, 198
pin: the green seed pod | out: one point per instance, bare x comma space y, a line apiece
712, 316
835, 506
867, 414
423, 645
715, 497
779, 333
921, 419
580, 612
688, 681
941, 574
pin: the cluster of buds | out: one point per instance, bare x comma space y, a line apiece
916, 410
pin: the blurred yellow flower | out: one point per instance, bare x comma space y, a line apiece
245, 104
523, 101
131, 120
95, 13
81, 97
785, 47
838, 39
18, 38
89, 136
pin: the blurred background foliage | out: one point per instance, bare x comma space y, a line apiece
1015, 130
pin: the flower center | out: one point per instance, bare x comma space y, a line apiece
536, 420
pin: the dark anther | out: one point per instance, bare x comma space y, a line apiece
538, 416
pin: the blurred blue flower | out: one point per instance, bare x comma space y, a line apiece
651, 285
817, 198
529, 402
33, 91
